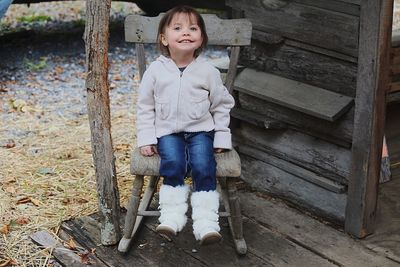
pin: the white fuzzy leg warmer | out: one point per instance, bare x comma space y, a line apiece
205, 216
173, 206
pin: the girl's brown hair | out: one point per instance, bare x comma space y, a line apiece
166, 20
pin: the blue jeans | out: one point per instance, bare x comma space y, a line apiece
184, 152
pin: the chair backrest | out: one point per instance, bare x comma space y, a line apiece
230, 32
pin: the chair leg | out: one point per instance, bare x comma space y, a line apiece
132, 221
235, 220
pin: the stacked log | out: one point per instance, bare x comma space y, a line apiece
286, 150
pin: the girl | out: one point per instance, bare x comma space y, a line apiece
183, 114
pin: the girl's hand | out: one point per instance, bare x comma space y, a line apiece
148, 151
219, 150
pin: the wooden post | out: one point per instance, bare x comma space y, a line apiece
98, 103
369, 121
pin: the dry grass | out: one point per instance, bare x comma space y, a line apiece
46, 171
48, 177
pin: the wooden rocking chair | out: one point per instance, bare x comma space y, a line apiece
234, 33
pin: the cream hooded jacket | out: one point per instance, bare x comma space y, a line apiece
171, 101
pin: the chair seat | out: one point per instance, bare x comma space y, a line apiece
228, 164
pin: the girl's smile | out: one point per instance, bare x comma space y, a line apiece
182, 37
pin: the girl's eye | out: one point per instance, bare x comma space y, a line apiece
177, 28
193, 28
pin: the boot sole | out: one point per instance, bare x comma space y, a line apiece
210, 238
166, 232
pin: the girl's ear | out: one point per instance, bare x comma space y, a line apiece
163, 40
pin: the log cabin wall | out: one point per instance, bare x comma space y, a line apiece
295, 100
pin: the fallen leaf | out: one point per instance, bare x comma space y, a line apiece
82, 200
117, 77
5, 229
35, 201
85, 257
23, 200
10, 143
66, 201
22, 220
10, 189
8, 262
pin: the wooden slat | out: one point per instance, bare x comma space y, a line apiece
369, 121
301, 22
302, 97
339, 132
351, 8
235, 32
325, 159
307, 66
277, 182
294, 169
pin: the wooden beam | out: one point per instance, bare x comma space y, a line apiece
372, 81
98, 104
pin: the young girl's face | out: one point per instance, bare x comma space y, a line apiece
182, 36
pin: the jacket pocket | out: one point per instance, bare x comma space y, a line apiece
198, 107
162, 107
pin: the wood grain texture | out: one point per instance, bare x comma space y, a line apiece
268, 178
305, 23
235, 32
228, 164
369, 118
323, 158
303, 65
298, 96
98, 104
339, 132
293, 169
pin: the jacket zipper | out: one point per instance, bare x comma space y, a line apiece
179, 97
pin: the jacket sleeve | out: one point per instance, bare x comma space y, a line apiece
145, 116
221, 104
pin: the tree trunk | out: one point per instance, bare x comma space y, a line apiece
98, 103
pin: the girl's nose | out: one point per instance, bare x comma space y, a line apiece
186, 32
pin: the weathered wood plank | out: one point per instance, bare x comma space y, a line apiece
278, 182
346, 7
386, 236
312, 25
302, 97
145, 251
63, 255
293, 169
235, 32
319, 50
369, 118
220, 254
266, 244
323, 158
98, 104
339, 132
323, 240
301, 65
265, 249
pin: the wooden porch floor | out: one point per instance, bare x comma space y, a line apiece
276, 235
